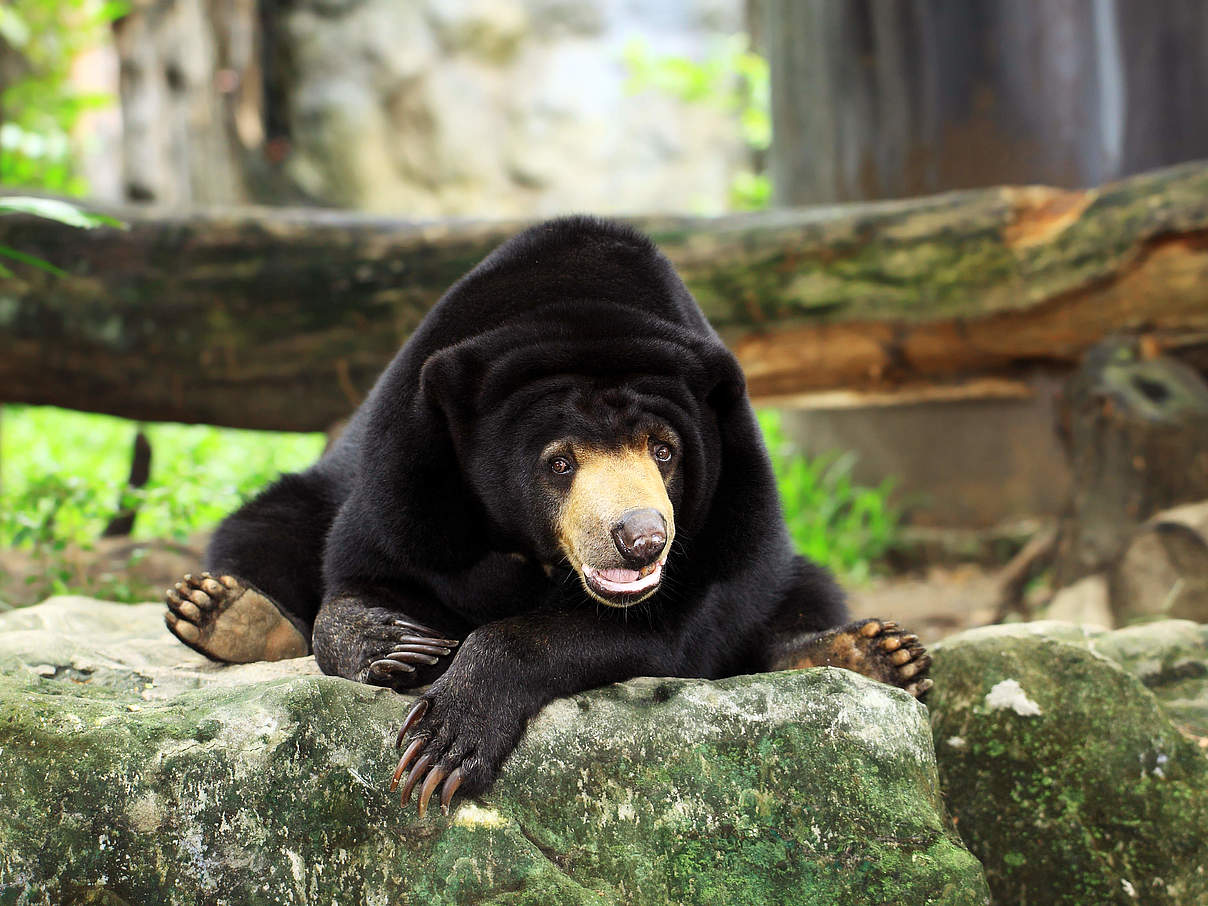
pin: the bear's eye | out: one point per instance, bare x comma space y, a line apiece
662, 452
560, 465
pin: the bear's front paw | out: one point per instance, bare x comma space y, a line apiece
400, 651
454, 745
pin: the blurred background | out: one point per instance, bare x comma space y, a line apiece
430, 110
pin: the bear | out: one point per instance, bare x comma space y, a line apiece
557, 483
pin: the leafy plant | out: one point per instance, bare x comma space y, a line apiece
43, 519
733, 79
832, 520
39, 41
38, 105
62, 473
63, 212
50, 209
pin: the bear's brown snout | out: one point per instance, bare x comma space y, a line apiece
640, 536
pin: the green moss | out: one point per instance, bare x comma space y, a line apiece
1096, 793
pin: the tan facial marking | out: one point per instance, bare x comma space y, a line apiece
607, 484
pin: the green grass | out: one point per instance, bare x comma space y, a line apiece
62, 474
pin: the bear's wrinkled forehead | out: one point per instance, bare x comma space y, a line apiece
619, 403
594, 412
612, 414
603, 412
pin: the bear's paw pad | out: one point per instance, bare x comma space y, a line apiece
227, 620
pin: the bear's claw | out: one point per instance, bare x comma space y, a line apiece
413, 717
432, 778
407, 651
443, 749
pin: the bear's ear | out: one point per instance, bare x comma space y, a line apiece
450, 380
727, 384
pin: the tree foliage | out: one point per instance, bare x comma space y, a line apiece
40, 40
846, 527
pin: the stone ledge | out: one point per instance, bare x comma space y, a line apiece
135, 771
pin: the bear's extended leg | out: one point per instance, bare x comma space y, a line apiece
258, 600
875, 648
812, 629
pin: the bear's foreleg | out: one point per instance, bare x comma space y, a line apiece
812, 628
462, 729
875, 648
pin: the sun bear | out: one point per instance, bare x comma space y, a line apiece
557, 483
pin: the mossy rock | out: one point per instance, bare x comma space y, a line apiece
1068, 776
134, 771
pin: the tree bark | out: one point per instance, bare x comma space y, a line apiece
190, 101
283, 318
875, 99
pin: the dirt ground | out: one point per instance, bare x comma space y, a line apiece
942, 601
112, 568
933, 603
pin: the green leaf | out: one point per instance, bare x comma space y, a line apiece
57, 210
115, 9
32, 261
13, 28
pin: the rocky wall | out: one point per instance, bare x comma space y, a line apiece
500, 107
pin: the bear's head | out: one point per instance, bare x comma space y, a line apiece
575, 462
592, 477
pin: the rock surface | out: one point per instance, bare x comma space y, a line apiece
134, 771
1073, 759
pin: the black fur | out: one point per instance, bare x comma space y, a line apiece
431, 508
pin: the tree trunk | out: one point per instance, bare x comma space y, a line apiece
283, 318
1137, 434
122, 524
190, 100
876, 99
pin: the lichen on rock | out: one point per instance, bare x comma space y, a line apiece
135, 771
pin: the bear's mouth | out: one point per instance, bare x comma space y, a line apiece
619, 587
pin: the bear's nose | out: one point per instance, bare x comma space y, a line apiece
640, 536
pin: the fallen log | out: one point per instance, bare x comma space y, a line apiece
274, 318
1163, 571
